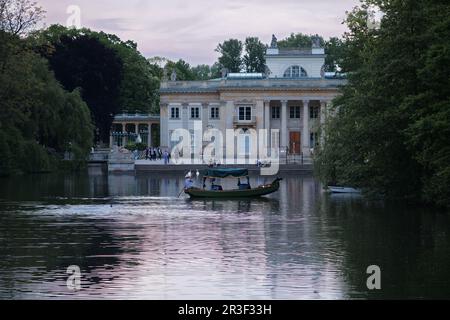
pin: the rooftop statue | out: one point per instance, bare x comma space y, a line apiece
224, 72
267, 71
173, 76
316, 42
274, 43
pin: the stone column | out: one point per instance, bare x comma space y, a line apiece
121, 135
125, 142
164, 125
184, 113
205, 121
305, 133
229, 118
259, 113
267, 120
323, 115
205, 116
284, 129
149, 138
229, 115
111, 140
323, 112
136, 131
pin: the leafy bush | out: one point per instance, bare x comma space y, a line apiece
34, 158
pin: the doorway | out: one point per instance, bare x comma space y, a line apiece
294, 142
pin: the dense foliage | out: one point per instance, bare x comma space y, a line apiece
391, 132
230, 55
34, 112
133, 82
255, 55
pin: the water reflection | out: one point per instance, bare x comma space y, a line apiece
134, 238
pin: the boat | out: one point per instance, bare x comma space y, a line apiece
336, 189
244, 190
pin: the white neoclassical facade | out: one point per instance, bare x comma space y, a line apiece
293, 96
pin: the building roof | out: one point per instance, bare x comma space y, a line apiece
294, 51
136, 117
249, 84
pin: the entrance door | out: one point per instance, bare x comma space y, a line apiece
294, 142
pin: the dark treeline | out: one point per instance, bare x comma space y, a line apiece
39, 120
391, 132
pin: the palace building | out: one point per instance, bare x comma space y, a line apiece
293, 95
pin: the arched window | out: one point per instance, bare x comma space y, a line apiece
295, 72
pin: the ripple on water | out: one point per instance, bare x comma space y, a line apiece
296, 244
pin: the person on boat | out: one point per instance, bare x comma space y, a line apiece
244, 186
188, 182
215, 187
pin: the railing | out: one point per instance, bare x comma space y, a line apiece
238, 120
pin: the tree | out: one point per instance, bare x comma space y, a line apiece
85, 62
334, 48
391, 133
255, 57
299, 40
201, 72
139, 86
216, 70
230, 51
182, 69
19, 16
39, 120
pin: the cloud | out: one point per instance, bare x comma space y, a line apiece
192, 29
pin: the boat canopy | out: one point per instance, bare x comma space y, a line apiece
223, 173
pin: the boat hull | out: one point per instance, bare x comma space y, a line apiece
252, 193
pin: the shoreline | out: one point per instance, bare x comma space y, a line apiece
283, 168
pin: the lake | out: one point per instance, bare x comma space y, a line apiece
133, 238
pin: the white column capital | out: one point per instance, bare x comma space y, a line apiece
284, 102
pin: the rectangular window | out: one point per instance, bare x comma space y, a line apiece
195, 113
245, 113
215, 113
294, 112
313, 139
175, 113
275, 112
313, 112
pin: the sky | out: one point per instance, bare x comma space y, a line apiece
191, 29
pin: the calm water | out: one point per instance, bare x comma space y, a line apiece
134, 239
